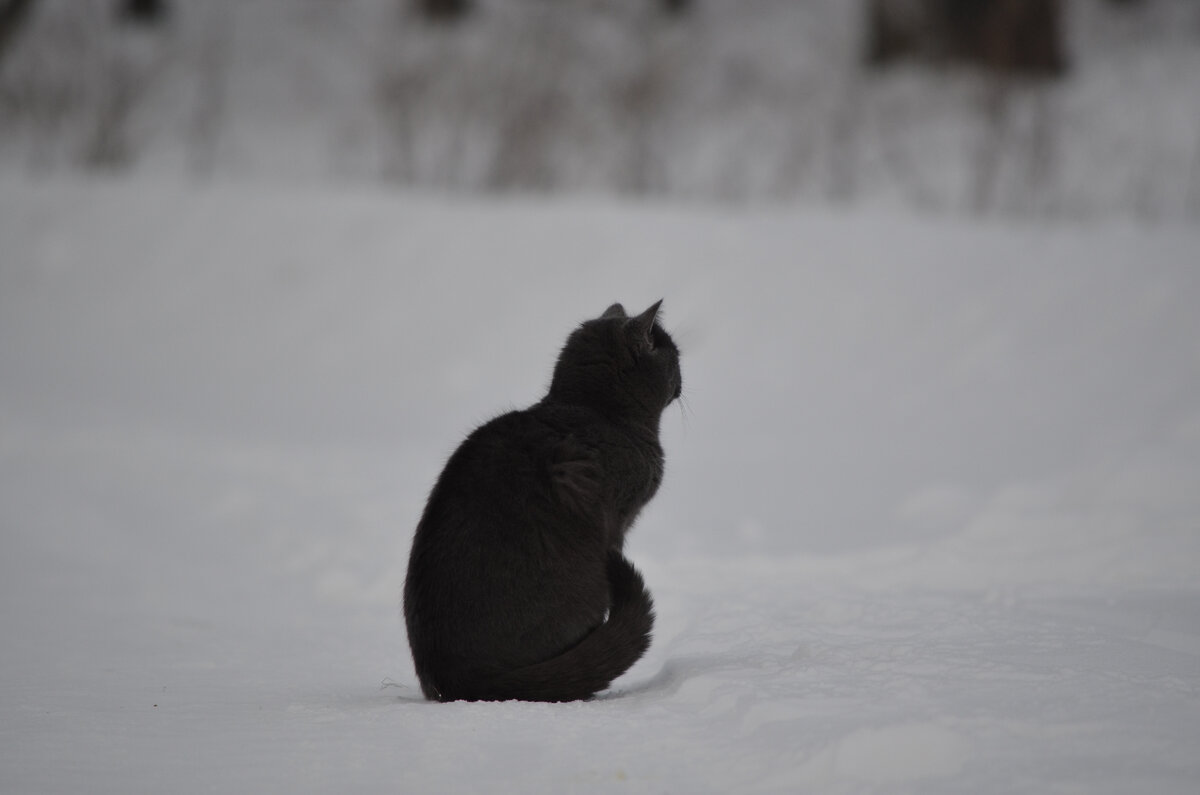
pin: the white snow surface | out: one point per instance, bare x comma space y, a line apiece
931, 520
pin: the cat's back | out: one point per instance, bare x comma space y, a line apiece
496, 463
508, 522
500, 484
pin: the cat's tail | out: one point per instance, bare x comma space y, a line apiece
603, 655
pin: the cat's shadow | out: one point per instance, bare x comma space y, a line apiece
667, 680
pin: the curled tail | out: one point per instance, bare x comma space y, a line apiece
604, 654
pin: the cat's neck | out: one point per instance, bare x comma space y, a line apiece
629, 416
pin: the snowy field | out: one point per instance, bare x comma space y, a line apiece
931, 520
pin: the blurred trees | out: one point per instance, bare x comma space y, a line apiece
443, 10
628, 96
145, 12
449, 10
12, 15
1005, 36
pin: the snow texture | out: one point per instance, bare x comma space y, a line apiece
931, 520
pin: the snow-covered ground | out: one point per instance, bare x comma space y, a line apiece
931, 520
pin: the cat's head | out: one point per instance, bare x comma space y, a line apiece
619, 363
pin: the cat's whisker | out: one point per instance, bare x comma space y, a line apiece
685, 410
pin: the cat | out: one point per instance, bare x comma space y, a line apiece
517, 587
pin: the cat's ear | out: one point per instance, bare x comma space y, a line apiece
616, 310
642, 325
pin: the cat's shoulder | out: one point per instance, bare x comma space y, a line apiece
523, 433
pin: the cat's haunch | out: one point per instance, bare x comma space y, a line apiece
517, 587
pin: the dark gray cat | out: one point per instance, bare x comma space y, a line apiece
517, 587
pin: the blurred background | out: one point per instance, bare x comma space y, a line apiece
1015, 108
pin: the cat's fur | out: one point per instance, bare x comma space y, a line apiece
517, 587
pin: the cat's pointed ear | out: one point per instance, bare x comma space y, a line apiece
616, 310
643, 324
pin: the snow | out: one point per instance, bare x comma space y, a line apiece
930, 522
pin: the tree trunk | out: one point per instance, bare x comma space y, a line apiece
143, 12
443, 10
12, 16
1005, 36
